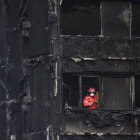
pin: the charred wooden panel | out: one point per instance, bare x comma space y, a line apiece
116, 18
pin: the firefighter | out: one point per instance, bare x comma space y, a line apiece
91, 100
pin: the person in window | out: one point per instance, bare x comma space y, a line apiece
91, 100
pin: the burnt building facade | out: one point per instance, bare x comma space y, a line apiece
100, 49
52, 52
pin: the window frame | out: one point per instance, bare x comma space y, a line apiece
101, 92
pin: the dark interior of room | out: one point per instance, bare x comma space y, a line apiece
79, 16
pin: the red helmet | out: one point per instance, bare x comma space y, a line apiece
91, 89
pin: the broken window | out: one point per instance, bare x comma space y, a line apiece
81, 17
117, 93
136, 19
114, 92
116, 18
77, 89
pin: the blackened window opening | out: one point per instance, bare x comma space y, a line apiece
81, 17
136, 19
116, 18
70, 90
137, 91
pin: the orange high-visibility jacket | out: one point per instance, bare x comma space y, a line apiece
89, 102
